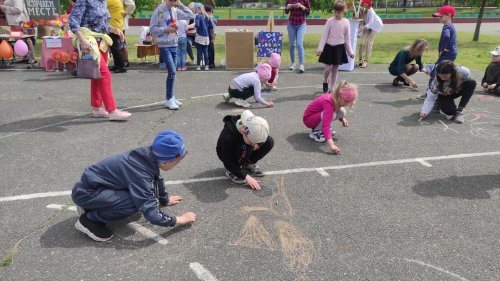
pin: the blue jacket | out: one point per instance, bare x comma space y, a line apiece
203, 23
136, 172
448, 41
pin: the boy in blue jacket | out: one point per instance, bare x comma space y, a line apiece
448, 48
122, 185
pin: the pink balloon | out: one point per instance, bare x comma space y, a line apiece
21, 48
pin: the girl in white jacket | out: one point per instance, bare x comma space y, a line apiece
371, 25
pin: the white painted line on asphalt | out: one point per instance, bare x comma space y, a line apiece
135, 226
323, 172
201, 272
61, 207
423, 162
437, 268
148, 233
34, 195
283, 172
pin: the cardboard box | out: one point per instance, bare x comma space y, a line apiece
239, 50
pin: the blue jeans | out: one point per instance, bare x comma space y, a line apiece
296, 38
169, 55
201, 50
181, 52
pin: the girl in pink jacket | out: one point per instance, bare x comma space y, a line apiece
320, 113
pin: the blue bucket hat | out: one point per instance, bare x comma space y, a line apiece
168, 145
197, 6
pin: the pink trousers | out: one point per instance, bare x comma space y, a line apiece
101, 90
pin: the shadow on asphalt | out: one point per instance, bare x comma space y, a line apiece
307, 97
400, 103
51, 123
388, 88
468, 187
302, 142
212, 191
413, 120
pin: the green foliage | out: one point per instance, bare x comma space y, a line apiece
7, 261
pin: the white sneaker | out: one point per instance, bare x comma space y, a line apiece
170, 104
177, 101
242, 103
206, 68
198, 67
292, 67
226, 97
273, 88
317, 136
301, 68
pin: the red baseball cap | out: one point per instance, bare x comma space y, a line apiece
445, 10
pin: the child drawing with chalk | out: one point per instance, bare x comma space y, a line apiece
249, 84
326, 108
274, 61
451, 82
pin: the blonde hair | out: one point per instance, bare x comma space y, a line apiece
417, 48
336, 95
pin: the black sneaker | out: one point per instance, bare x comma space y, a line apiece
112, 68
127, 64
95, 230
234, 178
325, 87
395, 82
120, 70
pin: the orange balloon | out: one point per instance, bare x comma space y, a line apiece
6, 51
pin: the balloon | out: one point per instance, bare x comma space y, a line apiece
21, 48
6, 51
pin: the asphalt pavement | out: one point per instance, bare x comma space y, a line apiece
406, 200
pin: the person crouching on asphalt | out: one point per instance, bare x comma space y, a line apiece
122, 185
249, 84
244, 141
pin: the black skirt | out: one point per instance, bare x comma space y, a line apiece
335, 55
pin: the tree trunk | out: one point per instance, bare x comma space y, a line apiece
404, 5
479, 19
446, 2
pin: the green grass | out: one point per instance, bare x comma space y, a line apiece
474, 55
227, 13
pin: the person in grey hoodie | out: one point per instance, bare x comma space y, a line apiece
163, 27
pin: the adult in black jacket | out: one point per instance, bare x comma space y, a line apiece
244, 140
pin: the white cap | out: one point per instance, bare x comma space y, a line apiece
257, 129
496, 52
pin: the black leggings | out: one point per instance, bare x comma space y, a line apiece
447, 103
237, 94
116, 50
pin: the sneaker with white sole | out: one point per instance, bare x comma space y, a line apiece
118, 115
207, 68
97, 231
242, 103
170, 104
226, 97
99, 112
273, 88
292, 67
254, 170
234, 178
302, 69
198, 67
422, 97
317, 136
177, 101
458, 118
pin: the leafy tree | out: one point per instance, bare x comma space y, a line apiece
481, 4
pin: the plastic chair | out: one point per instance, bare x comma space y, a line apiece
317, 17
240, 17
248, 17
257, 17
265, 17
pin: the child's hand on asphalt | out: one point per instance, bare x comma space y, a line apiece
335, 149
413, 84
186, 218
344, 122
270, 104
484, 85
422, 116
172, 200
492, 86
253, 183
